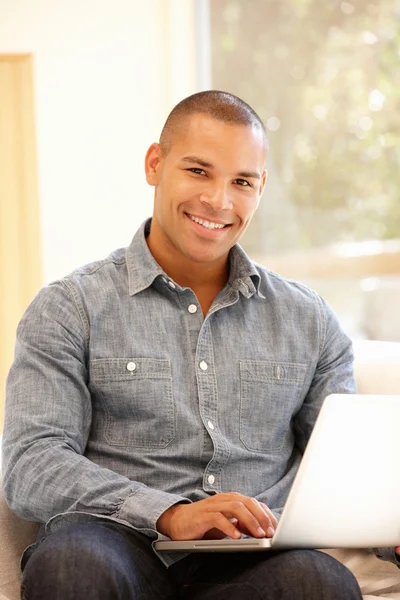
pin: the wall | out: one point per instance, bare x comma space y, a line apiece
20, 260
106, 76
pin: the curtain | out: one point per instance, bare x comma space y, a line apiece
20, 257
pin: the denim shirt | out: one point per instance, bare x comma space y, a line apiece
124, 400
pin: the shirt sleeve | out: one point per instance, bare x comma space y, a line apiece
333, 373
387, 554
48, 417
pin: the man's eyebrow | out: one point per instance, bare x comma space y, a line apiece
250, 174
199, 161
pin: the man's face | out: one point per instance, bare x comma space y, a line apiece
208, 187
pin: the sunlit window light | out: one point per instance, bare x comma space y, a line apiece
376, 100
365, 123
273, 123
347, 8
369, 38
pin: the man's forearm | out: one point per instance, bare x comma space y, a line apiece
48, 479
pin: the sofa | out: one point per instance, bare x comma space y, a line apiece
377, 370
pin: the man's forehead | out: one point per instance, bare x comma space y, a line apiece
204, 124
204, 136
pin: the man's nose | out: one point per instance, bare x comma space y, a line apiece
217, 198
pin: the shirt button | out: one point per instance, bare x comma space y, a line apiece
210, 424
131, 366
203, 365
211, 479
171, 284
192, 308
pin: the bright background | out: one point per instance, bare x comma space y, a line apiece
106, 76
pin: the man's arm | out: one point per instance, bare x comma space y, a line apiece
388, 554
333, 373
48, 417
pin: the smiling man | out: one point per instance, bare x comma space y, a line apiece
170, 390
209, 174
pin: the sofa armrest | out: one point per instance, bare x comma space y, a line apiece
377, 367
15, 535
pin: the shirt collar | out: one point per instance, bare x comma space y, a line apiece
243, 274
141, 264
143, 269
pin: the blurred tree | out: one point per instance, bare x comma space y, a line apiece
325, 78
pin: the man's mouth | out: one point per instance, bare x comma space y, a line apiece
207, 224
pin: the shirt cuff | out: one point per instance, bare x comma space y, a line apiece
145, 506
388, 554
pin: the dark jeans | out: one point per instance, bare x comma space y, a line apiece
105, 561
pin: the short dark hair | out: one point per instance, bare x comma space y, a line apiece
219, 105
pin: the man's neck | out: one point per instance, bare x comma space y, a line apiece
193, 275
205, 279
188, 273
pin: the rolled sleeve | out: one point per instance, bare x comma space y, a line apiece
145, 506
387, 554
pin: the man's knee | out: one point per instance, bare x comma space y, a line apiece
76, 562
314, 575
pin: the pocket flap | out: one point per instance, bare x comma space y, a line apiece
123, 369
278, 372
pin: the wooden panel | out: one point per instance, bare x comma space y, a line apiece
359, 261
20, 260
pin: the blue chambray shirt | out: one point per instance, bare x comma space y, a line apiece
124, 400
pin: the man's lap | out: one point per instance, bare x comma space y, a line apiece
269, 576
95, 560
106, 560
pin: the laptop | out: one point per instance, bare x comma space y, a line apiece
346, 493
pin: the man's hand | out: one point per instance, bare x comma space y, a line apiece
221, 515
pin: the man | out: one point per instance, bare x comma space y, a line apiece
170, 390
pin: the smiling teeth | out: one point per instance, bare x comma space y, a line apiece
207, 224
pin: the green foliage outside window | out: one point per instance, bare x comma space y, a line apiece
325, 78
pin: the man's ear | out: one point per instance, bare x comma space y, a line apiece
264, 178
152, 162
263, 181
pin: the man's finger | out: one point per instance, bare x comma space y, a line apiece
263, 515
254, 517
225, 525
238, 510
270, 514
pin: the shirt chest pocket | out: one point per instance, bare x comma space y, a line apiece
135, 397
270, 393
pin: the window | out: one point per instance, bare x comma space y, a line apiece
325, 78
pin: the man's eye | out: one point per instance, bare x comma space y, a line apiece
197, 171
243, 182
